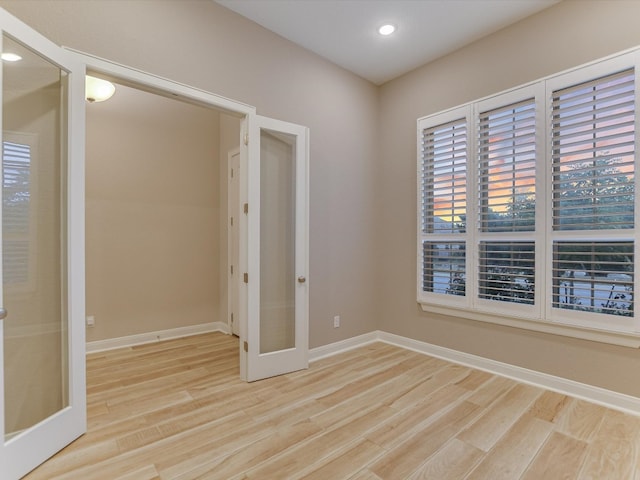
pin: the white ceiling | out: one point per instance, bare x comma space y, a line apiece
345, 31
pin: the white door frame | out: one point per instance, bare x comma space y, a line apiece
233, 254
249, 139
156, 84
165, 87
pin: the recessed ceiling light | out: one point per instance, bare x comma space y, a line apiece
387, 29
10, 57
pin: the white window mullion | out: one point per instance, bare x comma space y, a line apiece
547, 176
473, 211
541, 218
636, 268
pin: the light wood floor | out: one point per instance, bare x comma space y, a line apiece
177, 410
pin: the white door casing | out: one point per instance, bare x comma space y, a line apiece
162, 86
233, 236
248, 149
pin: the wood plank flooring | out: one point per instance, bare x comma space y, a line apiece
177, 410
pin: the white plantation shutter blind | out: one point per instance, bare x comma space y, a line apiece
443, 267
507, 136
16, 184
507, 271
444, 177
507, 161
594, 276
593, 156
443, 186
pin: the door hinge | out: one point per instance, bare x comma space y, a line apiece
231, 269
246, 139
232, 221
246, 278
246, 347
231, 317
246, 208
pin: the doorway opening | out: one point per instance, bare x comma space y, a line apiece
156, 214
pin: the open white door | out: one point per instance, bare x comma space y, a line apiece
275, 340
42, 349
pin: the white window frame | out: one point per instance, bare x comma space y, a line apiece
574, 317
459, 301
540, 316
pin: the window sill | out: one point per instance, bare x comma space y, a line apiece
613, 338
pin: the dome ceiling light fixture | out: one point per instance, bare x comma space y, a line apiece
10, 57
97, 89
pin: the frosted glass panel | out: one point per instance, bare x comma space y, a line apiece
277, 241
33, 239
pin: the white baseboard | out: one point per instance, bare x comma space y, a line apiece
590, 393
150, 337
342, 346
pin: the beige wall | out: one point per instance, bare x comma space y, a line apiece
152, 214
204, 45
564, 36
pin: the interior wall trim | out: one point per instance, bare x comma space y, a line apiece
150, 337
601, 396
335, 348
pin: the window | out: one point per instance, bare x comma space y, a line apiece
506, 187
528, 201
593, 190
18, 228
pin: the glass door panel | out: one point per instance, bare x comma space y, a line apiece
35, 329
277, 241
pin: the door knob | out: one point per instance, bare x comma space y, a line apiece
301, 279
3, 314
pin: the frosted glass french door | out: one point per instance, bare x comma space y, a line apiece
277, 285
42, 374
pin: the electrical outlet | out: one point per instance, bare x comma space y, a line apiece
336, 321
91, 321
